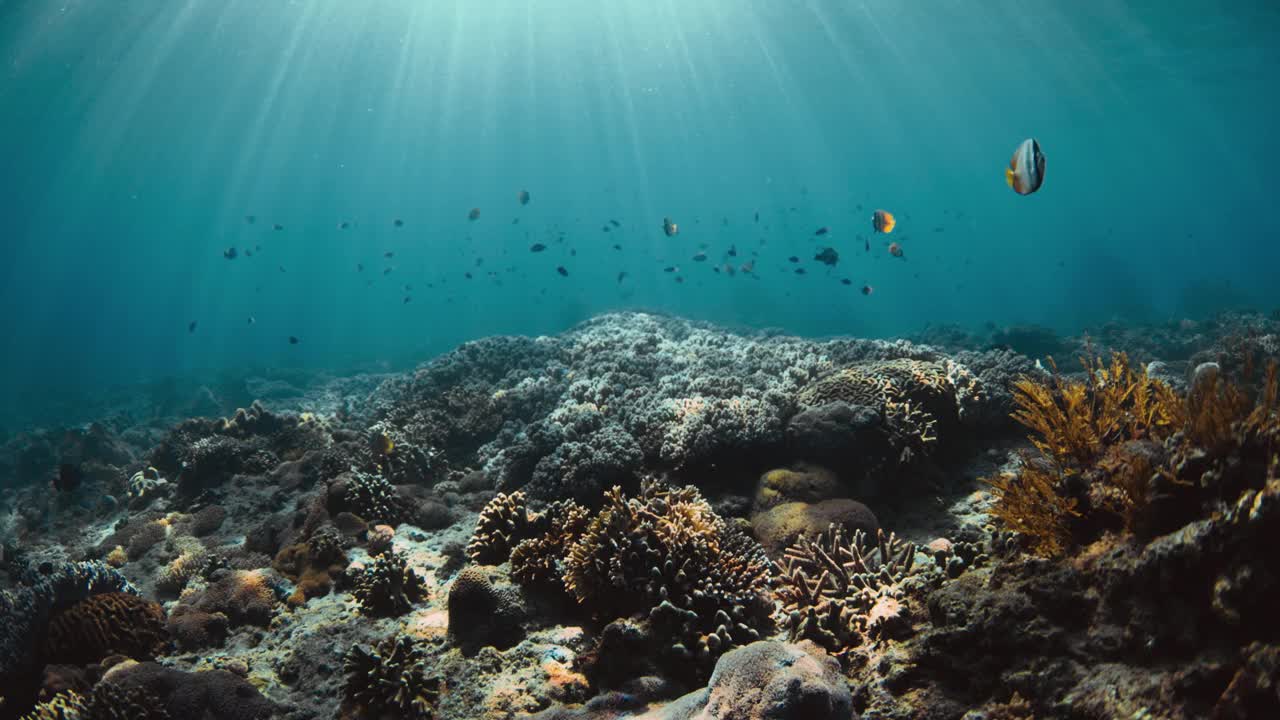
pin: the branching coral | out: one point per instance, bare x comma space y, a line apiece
108, 701
388, 586
391, 679
664, 555
837, 590
374, 498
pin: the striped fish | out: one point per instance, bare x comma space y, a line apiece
1026, 170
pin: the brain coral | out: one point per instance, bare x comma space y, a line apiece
106, 624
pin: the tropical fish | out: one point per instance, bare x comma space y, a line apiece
537, 247
248, 252
560, 269
359, 267
191, 326
828, 256
407, 300
388, 254
846, 281
800, 271
616, 246
251, 219
523, 197
622, 276
1025, 173
883, 221
669, 226
293, 340
277, 226
793, 259
895, 249
252, 320
733, 251
615, 223
230, 253
398, 222
344, 225
474, 214
867, 289
670, 269
699, 257
822, 231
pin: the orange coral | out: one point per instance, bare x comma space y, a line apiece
1029, 503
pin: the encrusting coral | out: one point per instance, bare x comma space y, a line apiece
391, 680
838, 590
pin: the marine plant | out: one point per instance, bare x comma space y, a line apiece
1121, 449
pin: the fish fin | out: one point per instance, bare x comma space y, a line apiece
1008, 176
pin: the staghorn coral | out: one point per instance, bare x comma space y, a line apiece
837, 590
388, 587
105, 624
390, 679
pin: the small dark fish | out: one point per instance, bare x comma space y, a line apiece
616, 246
523, 197
248, 252
604, 228
407, 300
277, 227
867, 289
670, 268
252, 320
828, 256
938, 229
251, 219
280, 268
344, 225
560, 269
387, 271
895, 249
733, 251
716, 269
859, 207
757, 216
670, 227
846, 281
359, 267
515, 221
230, 253
615, 223
474, 214
822, 231
68, 477
537, 247
800, 271
257, 248
622, 276
388, 254
191, 326
793, 259
398, 222
680, 279
573, 252
468, 275
729, 269
700, 257
866, 244
748, 267
293, 340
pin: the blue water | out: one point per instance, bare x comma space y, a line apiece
137, 135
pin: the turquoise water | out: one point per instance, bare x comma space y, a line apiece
139, 134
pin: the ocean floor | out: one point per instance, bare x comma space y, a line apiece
646, 517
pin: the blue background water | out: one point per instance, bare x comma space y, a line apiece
138, 134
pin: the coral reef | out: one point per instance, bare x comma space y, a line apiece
105, 624
484, 609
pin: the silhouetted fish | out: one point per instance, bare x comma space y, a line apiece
670, 227
277, 226
622, 276
537, 247
191, 326
251, 219
733, 251
293, 340
387, 271
474, 214
670, 268
388, 254
398, 222
800, 271
407, 300
846, 281
615, 223
822, 231
560, 269
359, 267
828, 256
523, 197
248, 252
230, 253
616, 246
793, 259
699, 257
344, 225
